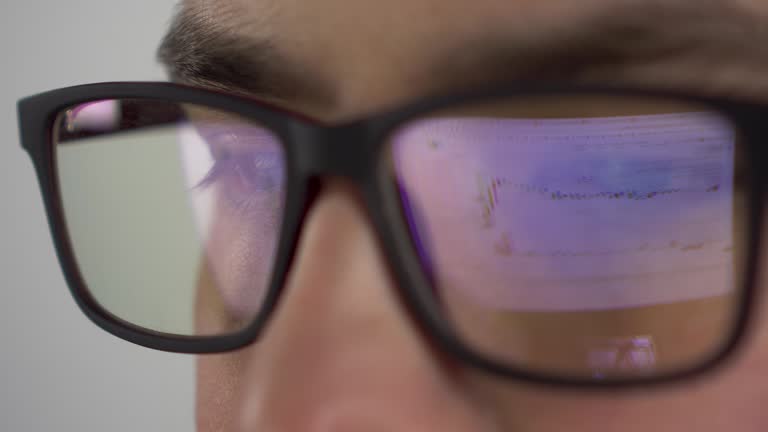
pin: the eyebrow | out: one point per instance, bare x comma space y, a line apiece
199, 51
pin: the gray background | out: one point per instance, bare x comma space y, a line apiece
57, 370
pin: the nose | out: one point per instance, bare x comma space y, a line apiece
340, 353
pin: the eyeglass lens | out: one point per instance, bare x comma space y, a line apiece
173, 211
583, 236
591, 236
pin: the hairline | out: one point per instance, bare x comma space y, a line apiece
200, 49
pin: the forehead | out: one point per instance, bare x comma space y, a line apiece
369, 43
370, 54
331, 24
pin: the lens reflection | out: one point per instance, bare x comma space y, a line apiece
173, 211
580, 236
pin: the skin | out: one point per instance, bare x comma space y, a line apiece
341, 352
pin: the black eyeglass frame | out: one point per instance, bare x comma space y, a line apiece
356, 150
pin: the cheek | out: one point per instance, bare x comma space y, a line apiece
228, 293
218, 392
240, 249
219, 389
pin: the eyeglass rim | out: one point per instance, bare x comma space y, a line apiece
37, 115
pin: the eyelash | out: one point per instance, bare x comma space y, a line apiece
259, 172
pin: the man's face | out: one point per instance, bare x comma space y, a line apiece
341, 351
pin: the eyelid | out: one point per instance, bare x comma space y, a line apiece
236, 138
266, 161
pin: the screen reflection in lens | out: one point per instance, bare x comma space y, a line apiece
582, 236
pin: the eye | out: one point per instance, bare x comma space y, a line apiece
257, 171
246, 181
247, 163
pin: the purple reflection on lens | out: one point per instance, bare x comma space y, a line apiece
93, 116
572, 213
418, 233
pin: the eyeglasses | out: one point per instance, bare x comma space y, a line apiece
573, 235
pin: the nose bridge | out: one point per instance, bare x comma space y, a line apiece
325, 362
343, 151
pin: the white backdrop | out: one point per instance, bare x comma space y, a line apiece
57, 370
